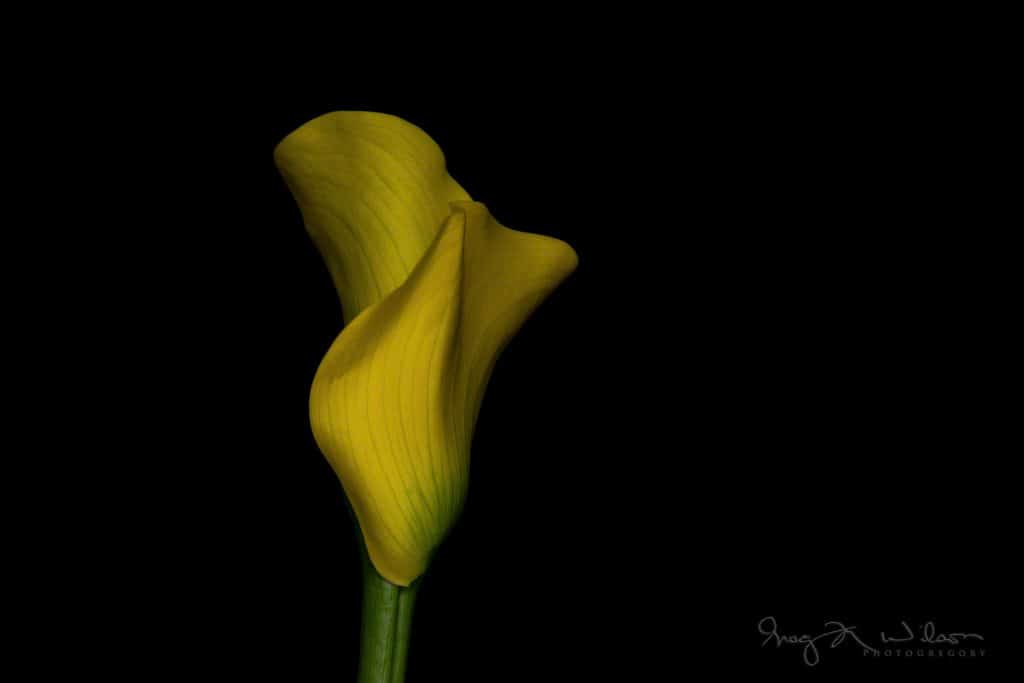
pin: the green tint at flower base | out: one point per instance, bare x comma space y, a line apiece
434, 288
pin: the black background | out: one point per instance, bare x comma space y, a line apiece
774, 385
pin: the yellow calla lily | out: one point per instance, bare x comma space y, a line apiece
433, 288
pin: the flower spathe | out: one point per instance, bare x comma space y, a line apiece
434, 288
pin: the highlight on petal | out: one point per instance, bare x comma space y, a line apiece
395, 399
373, 191
376, 408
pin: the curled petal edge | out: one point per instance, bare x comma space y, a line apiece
395, 400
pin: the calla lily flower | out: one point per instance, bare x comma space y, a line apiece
432, 288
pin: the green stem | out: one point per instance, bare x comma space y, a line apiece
387, 618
